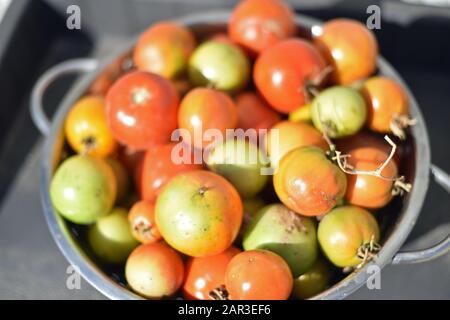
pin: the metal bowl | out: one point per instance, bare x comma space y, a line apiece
203, 24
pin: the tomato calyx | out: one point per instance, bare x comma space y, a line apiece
399, 123
313, 84
219, 293
143, 227
89, 143
367, 252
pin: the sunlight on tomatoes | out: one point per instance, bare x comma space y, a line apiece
258, 275
349, 47
259, 24
206, 274
142, 222
86, 128
142, 109
283, 72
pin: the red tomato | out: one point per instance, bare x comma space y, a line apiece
258, 275
142, 109
202, 109
129, 157
283, 72
259, 24
158, 167
206, 274
254, 112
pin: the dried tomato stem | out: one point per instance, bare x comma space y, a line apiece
399, 123
367, 252
219, 293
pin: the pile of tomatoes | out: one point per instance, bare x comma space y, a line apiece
220, 228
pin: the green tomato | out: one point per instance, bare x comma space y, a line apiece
241, 163
110, 237
83, 189
280, 230
344, 231
313, 281
220, 65
341, 109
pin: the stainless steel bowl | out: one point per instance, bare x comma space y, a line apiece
202, 24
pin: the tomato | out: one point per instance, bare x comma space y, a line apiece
142, 222
386, 100
110, 237
288, 135
340, 109
87, 130
259, 24
164, 49
313, 281
199, 213
254, 112
345, 233
158, 167
283, 73
141, 109
301, 114
122, 178
154, 270
366, 190
203, 109
312, 188
280, 230
203, 275
349, 47
129, 157
258, 275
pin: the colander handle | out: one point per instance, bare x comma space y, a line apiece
38, 115
443, 179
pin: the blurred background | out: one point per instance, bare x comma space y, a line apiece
414, 38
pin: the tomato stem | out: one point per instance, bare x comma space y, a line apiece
399, 123
219, 293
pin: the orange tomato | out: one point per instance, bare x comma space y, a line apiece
385, 99
199, 213
206, 274
154, 270
142, 222
259, 24
288, 135
158, 167
87, 130
349, 47
202, 109
254, 112
258, 275
308, 183
365, 190
164, 49
283, 72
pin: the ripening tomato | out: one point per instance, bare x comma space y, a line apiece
313, 281
258, 275
122, 178
346, 233
205, 274
164, 49
129, 157
365, 190
199, 213
154, 270
254, 112
288, 135
202, 109
141, 109
87, 130
158, 167
308, 183
386, 100
142, 222
283, 73
349, 47
259, 24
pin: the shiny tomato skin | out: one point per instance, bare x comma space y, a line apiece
142, 222
254, 112
385, 99
205, 274
259, 24
308, 183
258, 275
142, 108
158, 167
349, 47
283, 71
365, 190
